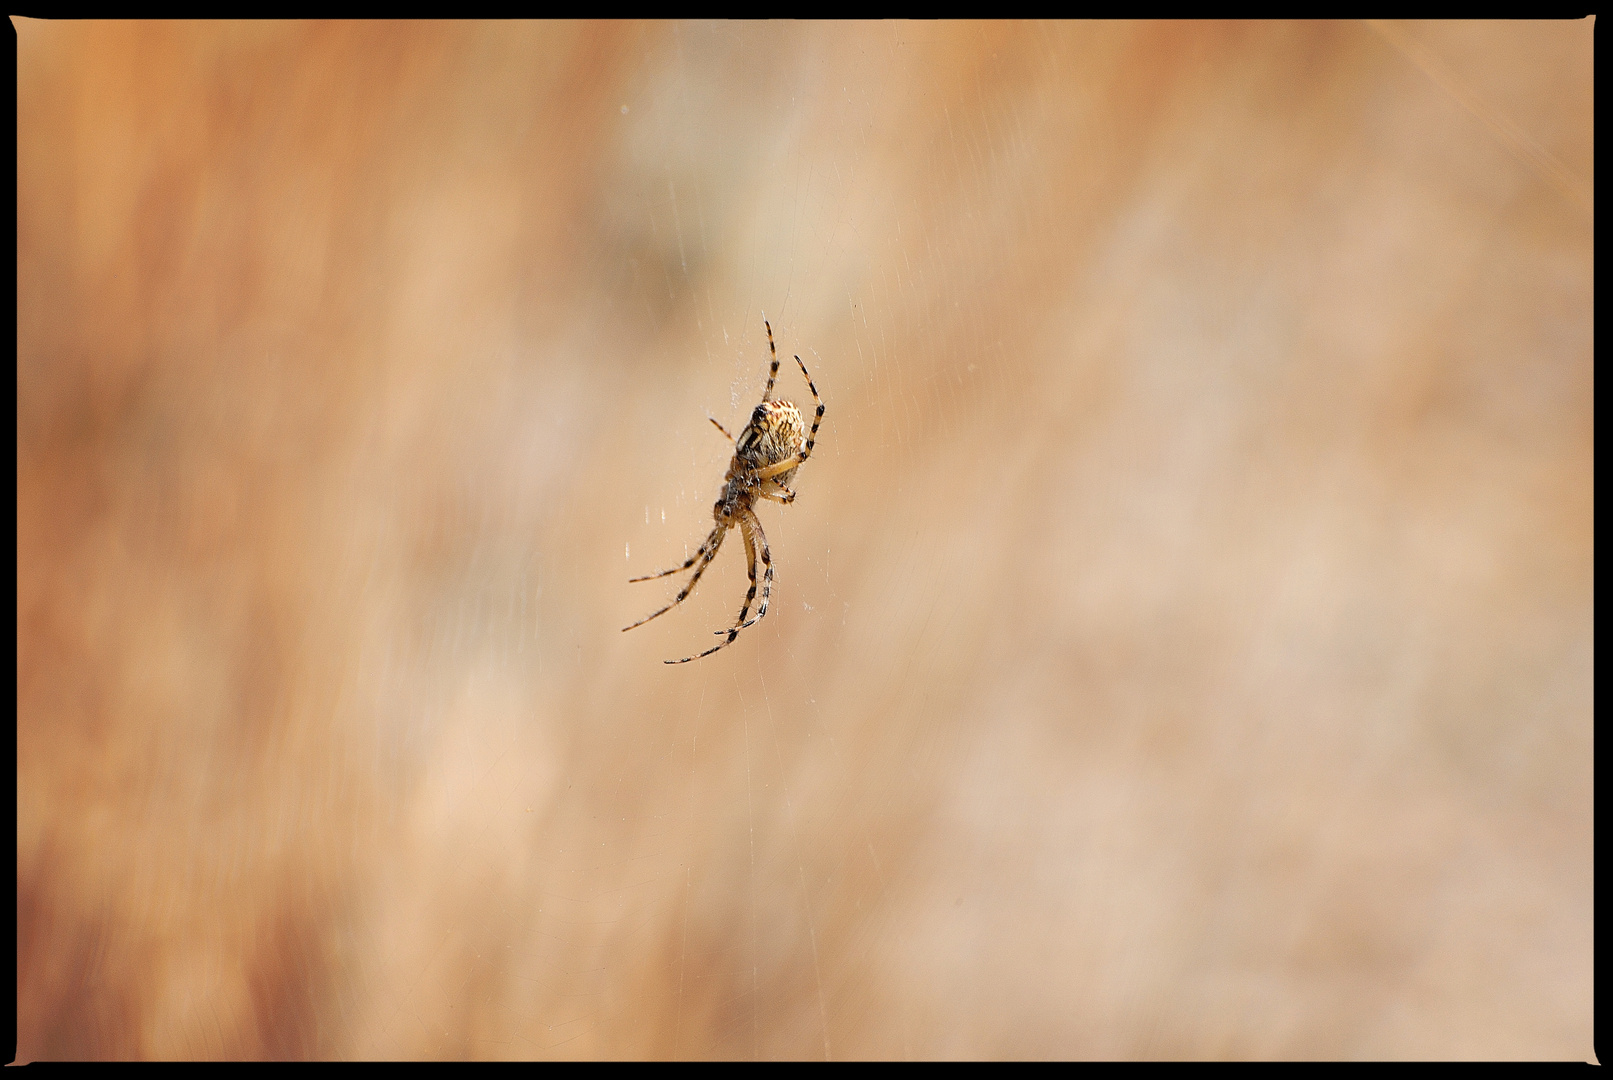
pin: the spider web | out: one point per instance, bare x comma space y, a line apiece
1181, 641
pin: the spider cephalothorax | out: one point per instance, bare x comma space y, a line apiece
767, 453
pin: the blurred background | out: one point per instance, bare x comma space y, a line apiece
1181, 644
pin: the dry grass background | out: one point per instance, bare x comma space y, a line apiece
1182, 643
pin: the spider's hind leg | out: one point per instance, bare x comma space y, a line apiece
812, 436
772, 372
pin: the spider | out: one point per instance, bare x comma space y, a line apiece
766, 454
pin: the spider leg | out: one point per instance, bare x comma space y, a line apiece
714, 538
733, 631
714, 543
750, 568
777, 468
812, 435
767, 563
786, 498
720, 428
772, 372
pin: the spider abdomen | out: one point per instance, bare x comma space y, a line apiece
775, 433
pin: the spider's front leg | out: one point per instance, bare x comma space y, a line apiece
767, 571
707, 552
739, 623
710, 545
